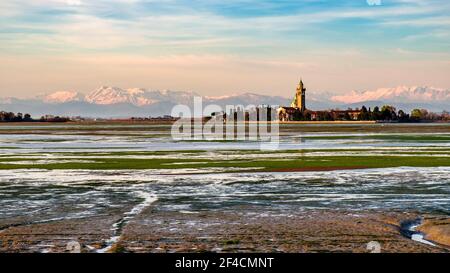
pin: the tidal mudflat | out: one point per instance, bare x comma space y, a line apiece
131, 188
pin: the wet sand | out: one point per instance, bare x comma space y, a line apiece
437, 229
313, 169
245, 229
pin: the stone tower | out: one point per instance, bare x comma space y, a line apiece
299, 100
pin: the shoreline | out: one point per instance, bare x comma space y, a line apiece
169, 122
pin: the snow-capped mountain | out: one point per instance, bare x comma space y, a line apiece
63, 97
246, 99
182, 97
141, 97
136, 96
401, 94
7, 100
111, 102
112, 95
108, 102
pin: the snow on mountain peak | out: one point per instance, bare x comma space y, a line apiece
62, 97
140, 97
397, 94
113, 95
136, 91
136, 96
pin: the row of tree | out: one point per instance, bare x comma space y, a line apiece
12, 117
390, 113
19, 117
386, 113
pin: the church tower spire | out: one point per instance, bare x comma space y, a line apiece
300, 96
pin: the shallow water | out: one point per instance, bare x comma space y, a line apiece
52, 138
45, 195
38, 195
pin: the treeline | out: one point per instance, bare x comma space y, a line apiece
12, 117
19, 117
389, 113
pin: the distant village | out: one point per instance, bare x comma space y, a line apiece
297, 111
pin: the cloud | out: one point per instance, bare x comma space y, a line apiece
175, 21
159, 27
374, 2
278, 39
74, 2
421, 22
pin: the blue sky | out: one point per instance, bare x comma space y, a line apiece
220, 47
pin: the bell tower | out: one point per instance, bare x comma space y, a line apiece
300, 97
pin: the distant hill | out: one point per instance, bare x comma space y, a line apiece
116, 102
403, 97
403, 94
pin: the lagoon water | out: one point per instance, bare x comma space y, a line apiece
40, 195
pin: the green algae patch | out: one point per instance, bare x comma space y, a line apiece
295, 164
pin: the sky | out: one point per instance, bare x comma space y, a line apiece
217, 47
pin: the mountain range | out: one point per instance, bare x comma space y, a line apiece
114, 102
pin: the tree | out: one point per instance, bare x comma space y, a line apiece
376, 114
7, 116
10, 116
402, 116
388, 112
307, 115
445, 116
347, 116
324, 116
425, 114
419, 114
364, 115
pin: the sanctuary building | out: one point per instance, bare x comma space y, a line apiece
297, 110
